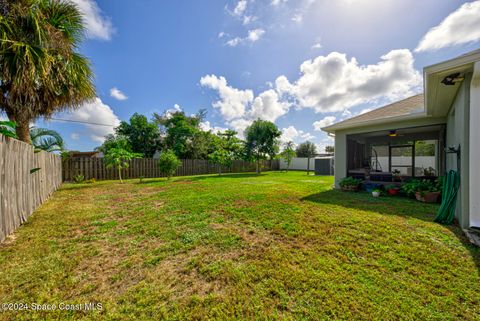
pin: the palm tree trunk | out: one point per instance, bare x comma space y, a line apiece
23, 132
120, 174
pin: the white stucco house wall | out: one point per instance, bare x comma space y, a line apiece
446, 114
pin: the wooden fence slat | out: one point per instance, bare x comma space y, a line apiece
21, 192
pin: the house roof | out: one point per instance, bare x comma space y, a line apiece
407, 107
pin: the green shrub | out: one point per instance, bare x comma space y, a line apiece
423, 186
168, 163
349, 181
79, 178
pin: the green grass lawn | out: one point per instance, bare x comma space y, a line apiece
275, 246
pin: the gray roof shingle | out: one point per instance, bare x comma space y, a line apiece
408, 106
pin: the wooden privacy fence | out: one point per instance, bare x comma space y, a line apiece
148, 168
21, 191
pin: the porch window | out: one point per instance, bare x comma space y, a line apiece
411, 152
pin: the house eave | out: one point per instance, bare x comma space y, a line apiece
333, 128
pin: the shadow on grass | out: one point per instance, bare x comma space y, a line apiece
388, 205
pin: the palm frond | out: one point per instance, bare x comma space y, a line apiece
46, 139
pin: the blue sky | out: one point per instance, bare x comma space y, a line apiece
300, 63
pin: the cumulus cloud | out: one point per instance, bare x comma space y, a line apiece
232, 101
327, 121
240, 8
267, 106
333, 83
101, 116
75, 136
117, 94
290, 133
461, 26
97, 24
252, 36
240, 107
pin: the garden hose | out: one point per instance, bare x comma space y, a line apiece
446, 212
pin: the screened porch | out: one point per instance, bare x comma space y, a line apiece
397, 155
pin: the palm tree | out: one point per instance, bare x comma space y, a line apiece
46, 139
40, 71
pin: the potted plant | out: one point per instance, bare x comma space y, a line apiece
424, 190
349, 184
396, 175
392, 189
376, 192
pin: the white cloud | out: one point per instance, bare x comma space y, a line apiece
95, 112
169, 112
240, 107
333, 83
277, 2
267, 106
75, 136
298, 17
221, 34
232, 101
461, 26
253, 36
363, 111
97, 24
290, 133
248, 19
327, 121
240, 8
240, 125
316, 45
206, 126
117, 94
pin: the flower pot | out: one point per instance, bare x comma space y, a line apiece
393, 191
428, 197
376, 194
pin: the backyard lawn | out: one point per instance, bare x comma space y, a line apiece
274, 246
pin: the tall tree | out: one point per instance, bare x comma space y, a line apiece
227, 148
308, 150
288, 153
179, 131
114, 141
40, 70
143, 136
261, 141
329, 149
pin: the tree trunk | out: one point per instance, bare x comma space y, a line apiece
258, 166
308, 166
23, 132
120, 174
22, 128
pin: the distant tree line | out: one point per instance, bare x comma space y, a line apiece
182, 135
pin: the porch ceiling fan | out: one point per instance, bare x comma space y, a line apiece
394, 133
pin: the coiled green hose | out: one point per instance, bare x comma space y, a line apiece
446, 212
